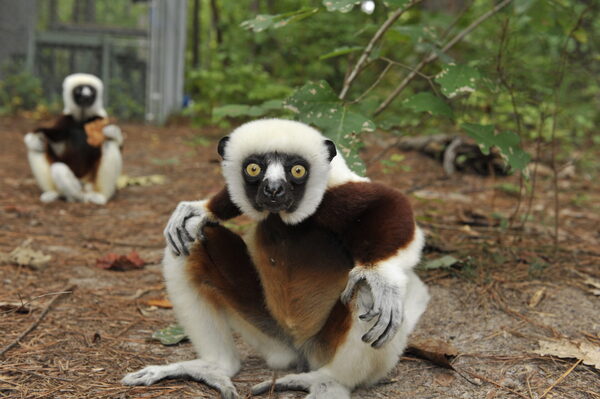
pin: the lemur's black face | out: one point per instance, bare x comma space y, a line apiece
275, 182
84, 95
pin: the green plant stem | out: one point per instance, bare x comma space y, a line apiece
367, 51
433, 56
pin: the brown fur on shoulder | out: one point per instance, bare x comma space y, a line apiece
222, 207
373, 220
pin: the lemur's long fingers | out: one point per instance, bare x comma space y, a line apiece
172, 245
181, 239
348, 292
390, 331
379, 328
369, 315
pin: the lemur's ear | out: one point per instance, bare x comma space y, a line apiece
331, 149
221, 146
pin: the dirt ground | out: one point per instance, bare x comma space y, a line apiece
511, 288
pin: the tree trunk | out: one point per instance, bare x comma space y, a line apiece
196, 34
216, 23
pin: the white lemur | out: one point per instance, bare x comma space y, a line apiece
64, 159
323, 281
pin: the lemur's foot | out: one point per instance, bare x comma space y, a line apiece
198, 370
317, 384
49, 196
95, 198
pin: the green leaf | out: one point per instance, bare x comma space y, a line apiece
445, 262
340, 51
237, 110
428, 102
456, 79
507, 142
316, 103
342, 6
171, 335
265, 21
395, 3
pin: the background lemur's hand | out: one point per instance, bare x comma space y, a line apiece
35, 142
384, 301
185, 226
113, 132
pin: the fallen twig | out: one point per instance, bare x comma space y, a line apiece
484, 378
32, 327
562, 377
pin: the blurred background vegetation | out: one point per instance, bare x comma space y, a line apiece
529, 69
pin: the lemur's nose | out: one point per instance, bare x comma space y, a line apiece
274, 189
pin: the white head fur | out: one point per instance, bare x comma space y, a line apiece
70, 108
283, 136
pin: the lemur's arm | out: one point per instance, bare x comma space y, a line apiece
377, 226
186, 222
60, 130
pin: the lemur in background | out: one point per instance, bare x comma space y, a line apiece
79, 158
323, 280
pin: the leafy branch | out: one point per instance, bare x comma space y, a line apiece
433, 56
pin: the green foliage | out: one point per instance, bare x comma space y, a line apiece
248, 83
122, 102
456, 79
444, 262
427, 102
19, 90
171, 335
316, 103
500, 83
342, 6
507, 141
263, 22
253, 111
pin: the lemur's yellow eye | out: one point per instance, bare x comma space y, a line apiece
298, 171
253, 169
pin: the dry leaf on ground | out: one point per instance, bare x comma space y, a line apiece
537, 297
588, 352
163, 303
436, 351
23, 255
113, 261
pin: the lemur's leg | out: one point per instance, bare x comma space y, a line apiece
108, 172
368, 348
356, 362
66, 182
40, 166
214, 290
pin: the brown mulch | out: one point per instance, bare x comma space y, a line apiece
90, 336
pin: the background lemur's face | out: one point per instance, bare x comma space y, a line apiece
275, 182
84, 95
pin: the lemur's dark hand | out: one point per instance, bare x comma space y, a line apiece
185, 226
384, 302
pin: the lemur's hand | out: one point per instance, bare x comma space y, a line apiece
384, 301
185, 226
35, 142
113, 132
